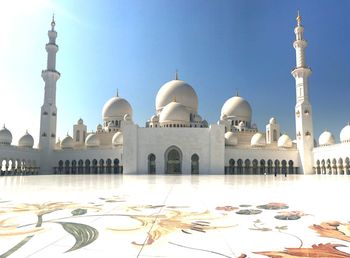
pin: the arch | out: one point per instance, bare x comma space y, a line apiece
80, 166
101, 166
74, 166
284, 167
173, 160
334, 167
239, 166
329, 167
269, 166
340, 166
262, 166
151, 163
247, 167
60, 166
231, 168
255, 164
66, 167
195, 164
347, 166
94, 166
277, 166
318, 167
108, 166
116, 168
87, 166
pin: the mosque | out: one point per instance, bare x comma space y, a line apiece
176, 139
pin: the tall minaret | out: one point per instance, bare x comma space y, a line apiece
303, 111
48, 115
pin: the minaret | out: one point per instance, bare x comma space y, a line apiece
48, 109
303, 111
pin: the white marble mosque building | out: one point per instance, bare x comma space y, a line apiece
176, 139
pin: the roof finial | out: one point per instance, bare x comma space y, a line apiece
4, 126
299, 18
177, 75
117, 92
237, 93
174, 99
53, 23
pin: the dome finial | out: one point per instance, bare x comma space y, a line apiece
298, 18
117, 92
174, 99
237, 93
176, 75
53, 23
4, 126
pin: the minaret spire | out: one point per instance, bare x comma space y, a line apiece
53, 23
303, 110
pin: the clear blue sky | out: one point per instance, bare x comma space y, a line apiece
218, 46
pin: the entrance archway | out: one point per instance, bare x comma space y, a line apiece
173, 160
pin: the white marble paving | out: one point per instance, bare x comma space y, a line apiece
171, 216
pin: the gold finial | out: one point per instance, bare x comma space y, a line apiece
237, 93
298, 18
174, 99
176, 75
53, 23
117, 92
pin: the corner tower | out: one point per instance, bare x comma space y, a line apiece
303, 111
48, 117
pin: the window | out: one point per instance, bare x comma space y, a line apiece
77, 135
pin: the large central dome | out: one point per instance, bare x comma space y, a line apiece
116, 107
179, 90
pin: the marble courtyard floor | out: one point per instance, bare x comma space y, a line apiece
174, 216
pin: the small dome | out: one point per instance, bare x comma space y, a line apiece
254, 126
26, 141
67, 142
345, 134
197, 118
231, 139
174, 112
258, 140
326, 138
284, 141
182, 91
80, 121
127, 117
92, 140
117, 139
237, 107
116, 107
154, 119
272, 121
99, 127
5, 136
241, 124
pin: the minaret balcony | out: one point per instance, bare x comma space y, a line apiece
301, 72
300, 44
50, 74
51, 47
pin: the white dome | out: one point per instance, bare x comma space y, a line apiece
272, 121
326, 138
197, 118
182, 91
67, 142
117, 139
345, 134
174, 112
231, 139
237, 107
284, 141
26, 141
5, 136
241, 124
116, 107
154, 119
92, 140
80, 121
99, 127
258, 140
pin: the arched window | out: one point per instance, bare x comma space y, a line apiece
66, 167
231, 169
323, 167
151, 163
262, 167
269, 166
347, 166
116, 168
334, 167
195, 164
60, 166
340, 166
80, 166
74, 167
284, 167
318, 167
94, 166
277, 166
